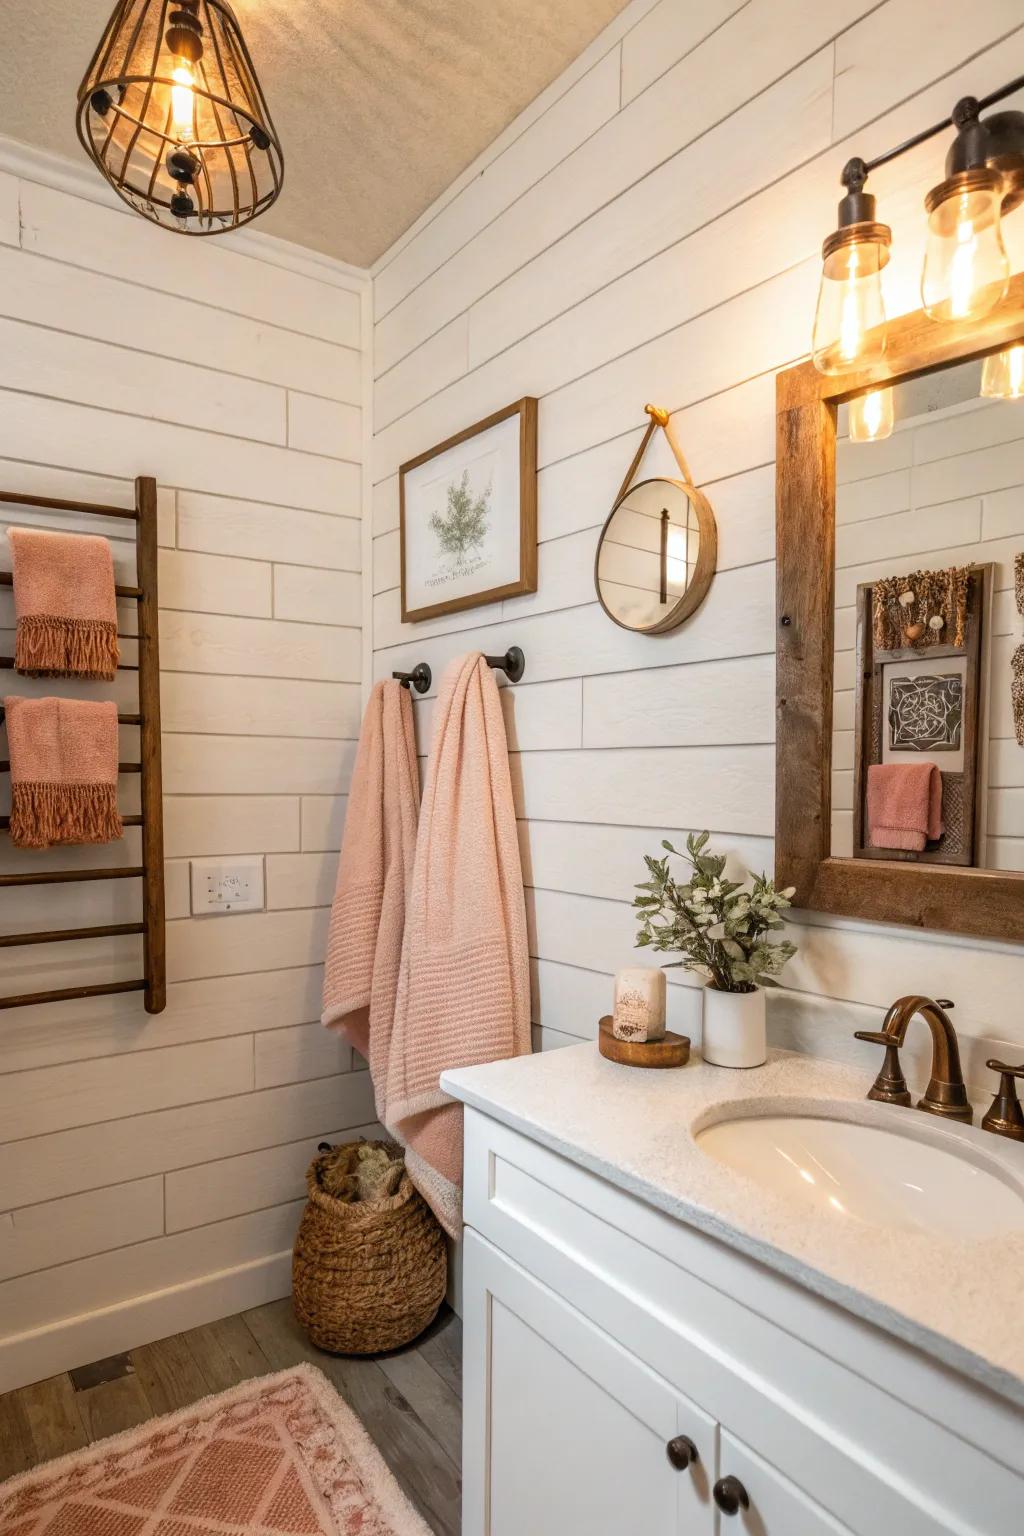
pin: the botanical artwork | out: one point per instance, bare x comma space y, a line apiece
461, 527
468, 517
926, 713
920, 609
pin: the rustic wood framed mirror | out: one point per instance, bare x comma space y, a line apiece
943, 503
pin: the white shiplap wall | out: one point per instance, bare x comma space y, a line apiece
151, 1169
650, 230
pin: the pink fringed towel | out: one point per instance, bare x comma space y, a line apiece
63, 772
364, 944
464, 988
64, 603
904, 805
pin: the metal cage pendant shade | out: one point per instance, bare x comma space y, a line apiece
172, 113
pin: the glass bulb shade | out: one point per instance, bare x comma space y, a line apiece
966, 268
872, 416
167, 79
1002, 377
849, 324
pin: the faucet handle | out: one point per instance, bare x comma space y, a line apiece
890, 1086
1005, 1116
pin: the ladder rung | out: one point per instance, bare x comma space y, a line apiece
126, 821
59, 504
69, 876
61, 994
7, 580
62, 935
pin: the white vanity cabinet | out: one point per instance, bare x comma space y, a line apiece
599, 1330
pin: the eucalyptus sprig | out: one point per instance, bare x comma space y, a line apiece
717, 927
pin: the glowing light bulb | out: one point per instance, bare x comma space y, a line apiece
849, 323
871, 416
1002, 377
966, 268
183, 101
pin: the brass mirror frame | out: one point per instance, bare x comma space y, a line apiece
985, 903
704, 567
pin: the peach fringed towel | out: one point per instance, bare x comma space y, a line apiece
904, 805
464, 988
364, 943
64, 603
63, 772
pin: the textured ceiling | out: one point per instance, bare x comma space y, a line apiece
379, 103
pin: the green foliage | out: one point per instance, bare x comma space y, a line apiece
463, 524
719, 928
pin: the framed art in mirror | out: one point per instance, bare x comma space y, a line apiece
900, 591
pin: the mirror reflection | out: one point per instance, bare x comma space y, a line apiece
648, 554
928, 701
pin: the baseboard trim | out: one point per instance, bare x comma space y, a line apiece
73, 1341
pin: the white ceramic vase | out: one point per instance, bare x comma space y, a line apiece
734, 1028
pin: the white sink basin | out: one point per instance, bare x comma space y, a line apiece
913, 1178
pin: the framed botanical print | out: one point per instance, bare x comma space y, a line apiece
469, 516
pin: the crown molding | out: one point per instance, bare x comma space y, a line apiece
42, 166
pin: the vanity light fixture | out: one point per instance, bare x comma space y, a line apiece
172, 113
849, 321
966, 268
872, 416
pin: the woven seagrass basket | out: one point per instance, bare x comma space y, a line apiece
368, 1276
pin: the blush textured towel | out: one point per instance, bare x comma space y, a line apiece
364, 943
64, 603
904, 805
63, 772
464, 988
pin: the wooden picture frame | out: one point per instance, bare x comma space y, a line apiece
525, 578
985, 903
960, 801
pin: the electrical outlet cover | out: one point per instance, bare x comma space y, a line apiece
222, 886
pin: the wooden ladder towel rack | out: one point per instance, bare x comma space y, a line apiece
151, 871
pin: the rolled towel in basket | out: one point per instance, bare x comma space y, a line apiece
63, 771
64, 603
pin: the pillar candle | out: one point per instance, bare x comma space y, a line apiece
639, 1012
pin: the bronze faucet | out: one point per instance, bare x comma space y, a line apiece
945, 1094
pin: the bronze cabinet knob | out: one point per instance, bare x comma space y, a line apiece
681, 1452
731, 1496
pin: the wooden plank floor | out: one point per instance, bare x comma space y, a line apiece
410, 1402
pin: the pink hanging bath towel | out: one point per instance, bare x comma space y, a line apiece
63, 771
64, 603
904, 805
464, 988
364, 944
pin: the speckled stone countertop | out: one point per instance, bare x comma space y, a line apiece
959, 1301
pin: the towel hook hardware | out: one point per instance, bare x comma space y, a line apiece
419, 678
513, 663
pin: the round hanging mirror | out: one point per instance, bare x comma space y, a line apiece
656, 555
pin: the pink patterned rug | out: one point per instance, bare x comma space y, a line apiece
279, 1456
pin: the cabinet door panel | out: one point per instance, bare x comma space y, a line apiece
777, 1506
571, 1430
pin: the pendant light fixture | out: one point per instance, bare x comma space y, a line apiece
849, 324
966, 268
172, 113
